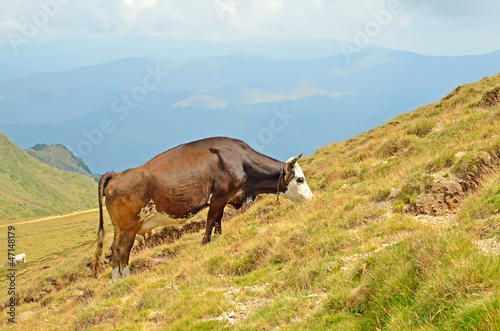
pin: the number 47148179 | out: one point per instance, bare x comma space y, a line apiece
11, 239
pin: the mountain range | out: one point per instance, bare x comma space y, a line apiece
119, 114
38, 56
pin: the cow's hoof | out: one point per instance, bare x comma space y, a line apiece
115, 274
205, 241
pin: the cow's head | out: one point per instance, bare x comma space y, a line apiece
295, 186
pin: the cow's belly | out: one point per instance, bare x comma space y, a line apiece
159, 220
150, 218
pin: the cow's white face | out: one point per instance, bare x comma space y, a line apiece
298, 190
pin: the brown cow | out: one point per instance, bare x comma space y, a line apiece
180, 182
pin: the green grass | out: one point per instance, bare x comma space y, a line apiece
48, 244
350, 259
31, 188
60, 157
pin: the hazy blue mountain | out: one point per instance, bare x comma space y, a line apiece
74, 52
119, 114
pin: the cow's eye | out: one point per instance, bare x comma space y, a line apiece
300, 180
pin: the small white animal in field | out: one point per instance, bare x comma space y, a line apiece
20, 258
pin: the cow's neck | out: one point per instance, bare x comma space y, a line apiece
263, 175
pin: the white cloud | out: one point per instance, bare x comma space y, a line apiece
141, 3
435, 21
214, 19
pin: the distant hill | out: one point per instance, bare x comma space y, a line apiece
59, 156
31, 188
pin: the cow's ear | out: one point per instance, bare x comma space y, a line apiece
294, 159
289, 172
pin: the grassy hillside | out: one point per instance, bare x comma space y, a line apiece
31, 188
59, 157
402, 234
61, 236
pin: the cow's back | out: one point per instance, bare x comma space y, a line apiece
181, 180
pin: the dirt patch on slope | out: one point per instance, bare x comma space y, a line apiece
442, 198
242, 304
444, 195
491, 98
489, 246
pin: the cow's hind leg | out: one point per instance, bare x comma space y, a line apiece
121, 254
115, 274
214, 217
113, 245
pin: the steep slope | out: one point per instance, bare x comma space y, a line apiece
60, 157
31, 188
360, 256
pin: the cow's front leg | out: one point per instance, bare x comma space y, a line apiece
218, 226
214, 217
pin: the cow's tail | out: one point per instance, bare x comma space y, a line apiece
103, 182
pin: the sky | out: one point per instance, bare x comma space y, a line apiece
430, 27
